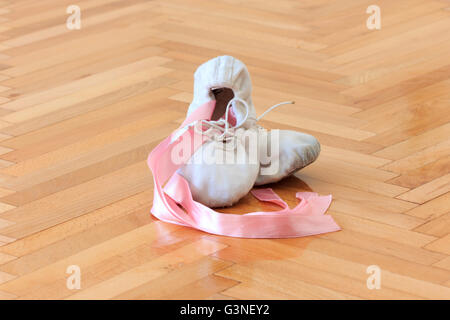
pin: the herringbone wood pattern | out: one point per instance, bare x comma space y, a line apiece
81, 109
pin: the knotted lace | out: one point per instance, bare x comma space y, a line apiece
223, 131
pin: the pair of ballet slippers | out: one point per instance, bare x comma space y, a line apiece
238, 154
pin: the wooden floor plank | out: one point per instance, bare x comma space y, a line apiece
432, 209
429, 190
152, 270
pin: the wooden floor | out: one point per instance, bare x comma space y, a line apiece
81, 109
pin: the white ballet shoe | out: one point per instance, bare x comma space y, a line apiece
221, 184
296, 151
226, 80
222, 79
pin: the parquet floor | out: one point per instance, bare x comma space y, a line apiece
81, 109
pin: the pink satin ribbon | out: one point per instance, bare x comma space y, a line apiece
174, 203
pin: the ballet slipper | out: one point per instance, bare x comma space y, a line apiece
296, 150
221, 182
226, 81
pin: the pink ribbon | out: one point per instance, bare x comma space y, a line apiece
174, 203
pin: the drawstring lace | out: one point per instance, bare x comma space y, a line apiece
222, 125
273, 107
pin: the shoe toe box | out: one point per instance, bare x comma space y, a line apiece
296, 151
218, 184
